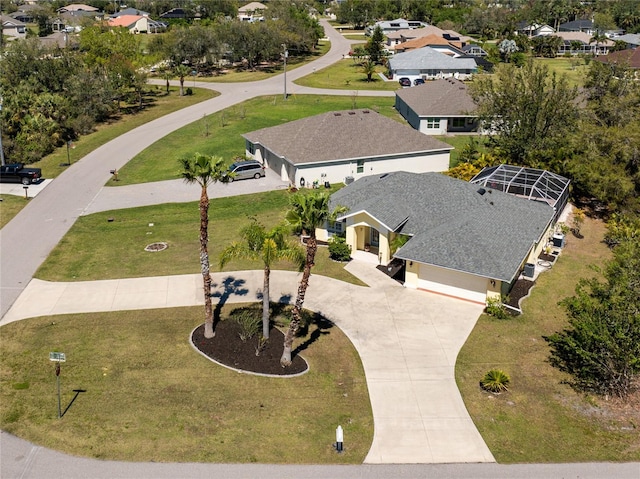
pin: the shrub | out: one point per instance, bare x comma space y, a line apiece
339, 250
249, 320
189, 91
495, 381
496, 309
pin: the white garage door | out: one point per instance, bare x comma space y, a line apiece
453, 283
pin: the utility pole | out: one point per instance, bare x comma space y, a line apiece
1, 150
285, 55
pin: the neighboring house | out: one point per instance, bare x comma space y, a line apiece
570, 41
584, 25
24, 17
438, 107
429, 64
77, 7
60, 40
13, 28
175, 13
465, 241
439, 44
626, 58
341, 146
533, 30
402, 36
136, 24
130, 11
631, 39
389, 26
252, 12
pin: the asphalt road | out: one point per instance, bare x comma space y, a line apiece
27, 240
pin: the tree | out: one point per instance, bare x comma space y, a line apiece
307, 212
368, 68
507, 48
267, 246
374, 47
529, 112
205, 170
601, 349
181, 71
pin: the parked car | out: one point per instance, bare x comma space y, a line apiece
404, 81
246, 169
418, 81
19, 173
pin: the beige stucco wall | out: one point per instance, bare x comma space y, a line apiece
452, 283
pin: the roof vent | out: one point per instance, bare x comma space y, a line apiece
384, 176
365, 111
352, 113
482, 191
337, 114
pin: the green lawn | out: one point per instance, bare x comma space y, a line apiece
159, 104
574, 68
151, 397
220, 133
347, 75
459, 142
96, 248
10, 206
540, 419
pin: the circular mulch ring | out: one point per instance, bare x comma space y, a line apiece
155, 247
227, 349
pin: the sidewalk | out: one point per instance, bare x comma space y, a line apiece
408, 342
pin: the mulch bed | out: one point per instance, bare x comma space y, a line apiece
227, 348
520, 289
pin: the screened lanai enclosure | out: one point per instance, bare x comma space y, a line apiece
530, 183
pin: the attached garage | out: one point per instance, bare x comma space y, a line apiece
452, 283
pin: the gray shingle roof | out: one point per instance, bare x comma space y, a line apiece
343, 135
452, 225
427, 58
443, 97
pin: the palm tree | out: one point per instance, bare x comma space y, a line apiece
267, 246
307, 212
369, 68
182, 71
205, 170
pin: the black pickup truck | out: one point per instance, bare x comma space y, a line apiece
18, 173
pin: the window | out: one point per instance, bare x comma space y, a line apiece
458, 123
360, 166
251, 148
335, 227
433, 122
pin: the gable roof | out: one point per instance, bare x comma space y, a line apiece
77, 7
130, 11
427, 58
10, 22
630, 38
125, 20
453, 224
582, 37
443, 97
251, 7
428, 40
341, 135
630, 58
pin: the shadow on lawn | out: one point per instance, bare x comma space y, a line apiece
230, 286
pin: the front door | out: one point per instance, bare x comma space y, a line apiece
375, 238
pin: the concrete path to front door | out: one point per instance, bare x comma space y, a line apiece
408, 342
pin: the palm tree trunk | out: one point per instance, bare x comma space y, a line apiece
204, 263
181, 86
265, 303
294, 325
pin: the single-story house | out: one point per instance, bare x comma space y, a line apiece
401, 36
533, 29
341, 146
13, 28
429, 64
252, 12
464, 241
475, 50
130, 11
438, 107
571, 40
631, 39
583, 25
388, 26
136, 24
626, 58
438, 43
77, 7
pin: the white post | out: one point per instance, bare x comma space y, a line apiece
285, 54
339, 439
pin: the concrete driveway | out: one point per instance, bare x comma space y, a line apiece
408, 342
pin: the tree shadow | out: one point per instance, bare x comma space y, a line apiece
230, 286
322, 325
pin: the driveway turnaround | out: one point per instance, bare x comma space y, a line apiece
408, 342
